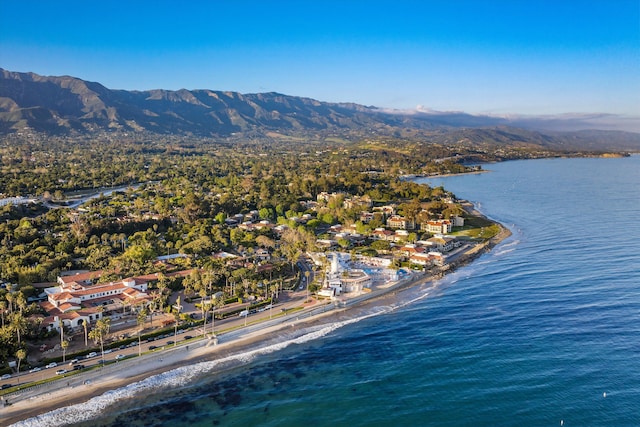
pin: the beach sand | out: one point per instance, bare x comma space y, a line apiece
73, 390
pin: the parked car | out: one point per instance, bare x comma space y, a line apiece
5, 377
61, 371
120, 356
107, 351
78, 367
92, 354
51, 365
36, 369
73, 361
4, 386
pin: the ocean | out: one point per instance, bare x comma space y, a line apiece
544, 330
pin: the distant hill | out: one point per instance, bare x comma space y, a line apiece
68, 105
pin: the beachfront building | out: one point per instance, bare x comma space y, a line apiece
74, 302
78, 299
424, 259
442, 243
341, 279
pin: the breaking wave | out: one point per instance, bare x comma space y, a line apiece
178, 377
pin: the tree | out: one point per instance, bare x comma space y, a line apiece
3, 309
141, 319
21, 355
64, 345
176, 315
217, 303
18, 324
162, 287
86, 329
61, 326
99, 333
204, 306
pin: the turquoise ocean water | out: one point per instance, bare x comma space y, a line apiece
542, 331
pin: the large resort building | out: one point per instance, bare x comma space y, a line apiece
78, 298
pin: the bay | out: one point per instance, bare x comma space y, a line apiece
543, 330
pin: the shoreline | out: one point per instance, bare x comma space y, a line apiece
58, 395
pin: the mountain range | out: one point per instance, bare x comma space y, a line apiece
69, 105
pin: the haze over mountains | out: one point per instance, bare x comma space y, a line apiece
68, 105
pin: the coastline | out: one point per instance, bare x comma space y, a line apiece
36, 402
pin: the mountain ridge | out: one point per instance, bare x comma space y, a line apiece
69, 105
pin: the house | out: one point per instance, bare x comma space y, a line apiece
251, 216
440, 226
409, 250
400, 235
383, 234
366, 217
351, 202
400, 222
442, 243
397, 221
262, 254
386, 210
421, 259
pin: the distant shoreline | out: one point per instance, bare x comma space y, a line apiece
36, 402
443, 175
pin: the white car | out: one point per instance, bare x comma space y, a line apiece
120, 356
51, 365
61, 371
92, 354
36, 369
5, 377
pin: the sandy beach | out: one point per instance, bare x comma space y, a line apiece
82, 387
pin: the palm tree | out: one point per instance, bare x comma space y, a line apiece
218, 303
19, 324
3, 308
10, 298
162, 286
21, 301
99, 332
204, 306
64, 345
61, 325
141, 319
84, 325
21, 355
176, 315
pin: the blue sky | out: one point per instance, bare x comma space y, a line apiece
482, 56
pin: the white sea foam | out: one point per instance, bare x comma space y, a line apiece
175, 378
179, 377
